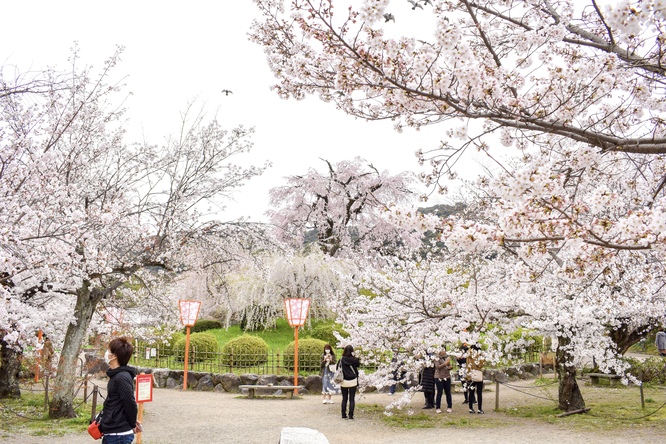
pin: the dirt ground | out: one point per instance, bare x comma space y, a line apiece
176, 417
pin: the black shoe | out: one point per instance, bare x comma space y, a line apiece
465, 401
351, 417
472, 411
480, 412
344, 416
428, 407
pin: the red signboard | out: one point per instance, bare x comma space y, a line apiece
144, 388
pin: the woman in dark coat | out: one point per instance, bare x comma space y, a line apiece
428, 385
349, 364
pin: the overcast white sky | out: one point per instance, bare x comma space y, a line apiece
180, 51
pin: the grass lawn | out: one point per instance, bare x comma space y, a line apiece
277, 338
612, 408
28, 415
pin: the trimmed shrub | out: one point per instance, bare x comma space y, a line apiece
173, 340
203, 347
245, 351
205, 324
309, 355
324, 332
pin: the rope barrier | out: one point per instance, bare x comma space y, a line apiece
526, 393
629, 419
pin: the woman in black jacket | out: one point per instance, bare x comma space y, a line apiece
349, 364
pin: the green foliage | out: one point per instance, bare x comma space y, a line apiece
245, 351
309, 355
205, 324
324, 331
651, 370
202, 347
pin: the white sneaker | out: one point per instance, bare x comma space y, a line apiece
324, 401
438, 411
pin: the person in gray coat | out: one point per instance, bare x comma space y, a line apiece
660, 342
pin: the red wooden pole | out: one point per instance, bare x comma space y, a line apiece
187, 356
296, 360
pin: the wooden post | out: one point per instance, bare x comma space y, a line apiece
497, 385
46, 391
140, 419
41, 354
85, 390
94, 404
540, 365
187, 356
642, 396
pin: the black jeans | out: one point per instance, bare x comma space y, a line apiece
348, 393
445, 386
478, 388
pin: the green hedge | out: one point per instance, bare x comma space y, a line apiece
203, 347
205, 324
245, 351
309, 355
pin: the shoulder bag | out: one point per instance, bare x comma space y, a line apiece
338, 376
93, 428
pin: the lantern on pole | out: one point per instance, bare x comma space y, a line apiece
297, 312
189, 311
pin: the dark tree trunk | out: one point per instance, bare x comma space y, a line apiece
569, 396
10, 366
624, 336
62, 401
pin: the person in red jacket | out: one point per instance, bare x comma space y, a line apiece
118, 424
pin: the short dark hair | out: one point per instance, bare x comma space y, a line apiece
348, 350
122, 348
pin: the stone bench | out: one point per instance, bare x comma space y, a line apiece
288, 390
612, 379
301, 435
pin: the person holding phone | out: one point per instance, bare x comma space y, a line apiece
328, 387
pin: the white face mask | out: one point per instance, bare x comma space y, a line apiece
107, 357
328, 352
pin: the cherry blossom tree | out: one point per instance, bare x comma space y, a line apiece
255, 291
83, 214
582, 71
575, 87
346, 207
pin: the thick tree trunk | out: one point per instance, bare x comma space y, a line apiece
625, 336
570, 398
10, 366
62, 402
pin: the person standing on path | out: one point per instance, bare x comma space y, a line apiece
328, 387
349, 364
443, 381
462, 374
428, 385
474, 366
118, 423
660, 342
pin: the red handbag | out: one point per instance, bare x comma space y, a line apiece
93, 428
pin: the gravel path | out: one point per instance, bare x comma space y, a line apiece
176, 417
